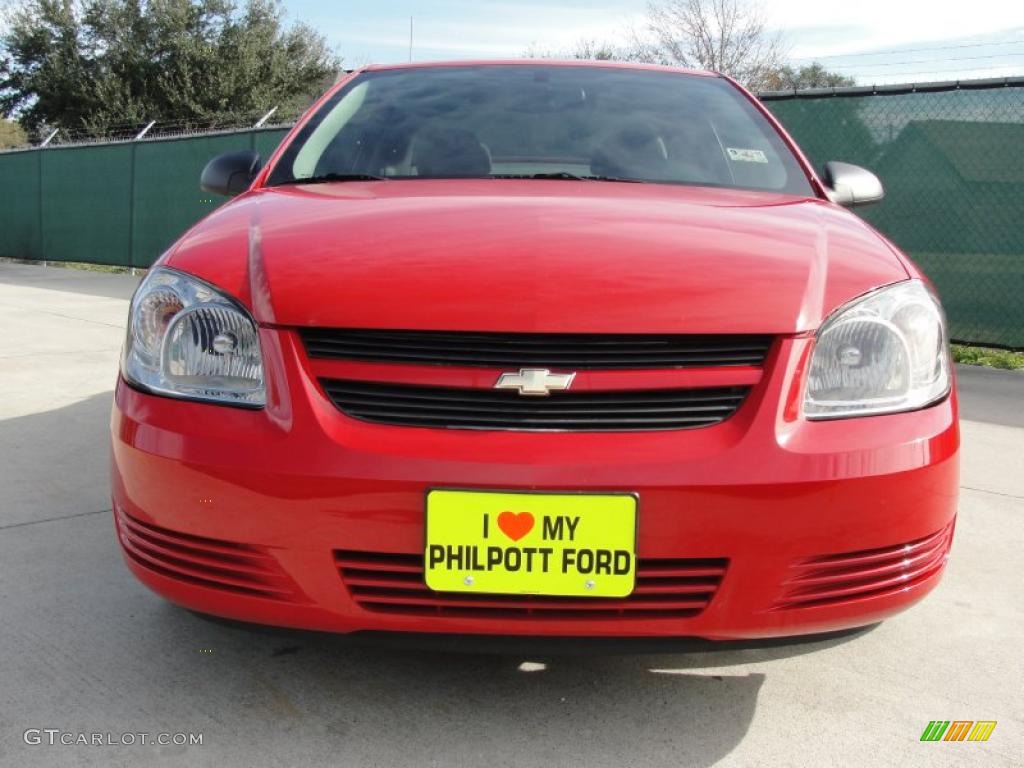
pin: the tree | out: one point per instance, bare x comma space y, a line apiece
94, 65
12, 135
789, 78
727, 36
585, 49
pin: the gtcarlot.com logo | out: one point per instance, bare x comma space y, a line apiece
958, 730
55, 736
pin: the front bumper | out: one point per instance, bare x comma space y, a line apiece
249, 515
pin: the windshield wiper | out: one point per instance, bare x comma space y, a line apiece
614, 178
325, 178
564, 175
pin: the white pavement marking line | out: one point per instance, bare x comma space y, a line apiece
59, 314
994, 493
58, 353
72, 516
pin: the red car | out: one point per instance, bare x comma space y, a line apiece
527, 348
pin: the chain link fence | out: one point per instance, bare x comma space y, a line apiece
120, 203
951, 156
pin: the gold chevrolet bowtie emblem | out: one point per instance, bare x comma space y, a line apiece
535, 381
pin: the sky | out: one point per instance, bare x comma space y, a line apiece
874, 41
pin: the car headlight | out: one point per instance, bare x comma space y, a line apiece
882, 353
187, 339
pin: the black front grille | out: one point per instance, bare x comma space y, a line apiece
459, 408
552, 350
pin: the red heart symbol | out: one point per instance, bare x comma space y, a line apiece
515, 525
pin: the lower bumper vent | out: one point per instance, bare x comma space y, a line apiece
835, 579
393, 583
223, 565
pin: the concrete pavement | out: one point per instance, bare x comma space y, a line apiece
85, 648
991, 395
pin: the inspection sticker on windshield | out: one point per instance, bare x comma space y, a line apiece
746, 155
568, 544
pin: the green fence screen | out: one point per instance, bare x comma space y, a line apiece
951, 158
952, 162
122, 203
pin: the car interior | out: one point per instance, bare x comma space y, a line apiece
527, 130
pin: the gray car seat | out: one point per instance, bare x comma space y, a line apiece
450, 153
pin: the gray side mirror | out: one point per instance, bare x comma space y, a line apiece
231, 173
851, 185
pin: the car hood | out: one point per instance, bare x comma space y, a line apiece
541, 256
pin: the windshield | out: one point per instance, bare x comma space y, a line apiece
529, 121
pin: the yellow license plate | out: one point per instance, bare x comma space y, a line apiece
570, 544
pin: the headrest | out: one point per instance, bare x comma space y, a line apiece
632, 152
450, 152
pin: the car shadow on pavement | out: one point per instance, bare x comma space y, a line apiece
69, 280
55, 462
91, 648
589, 708
409, 706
